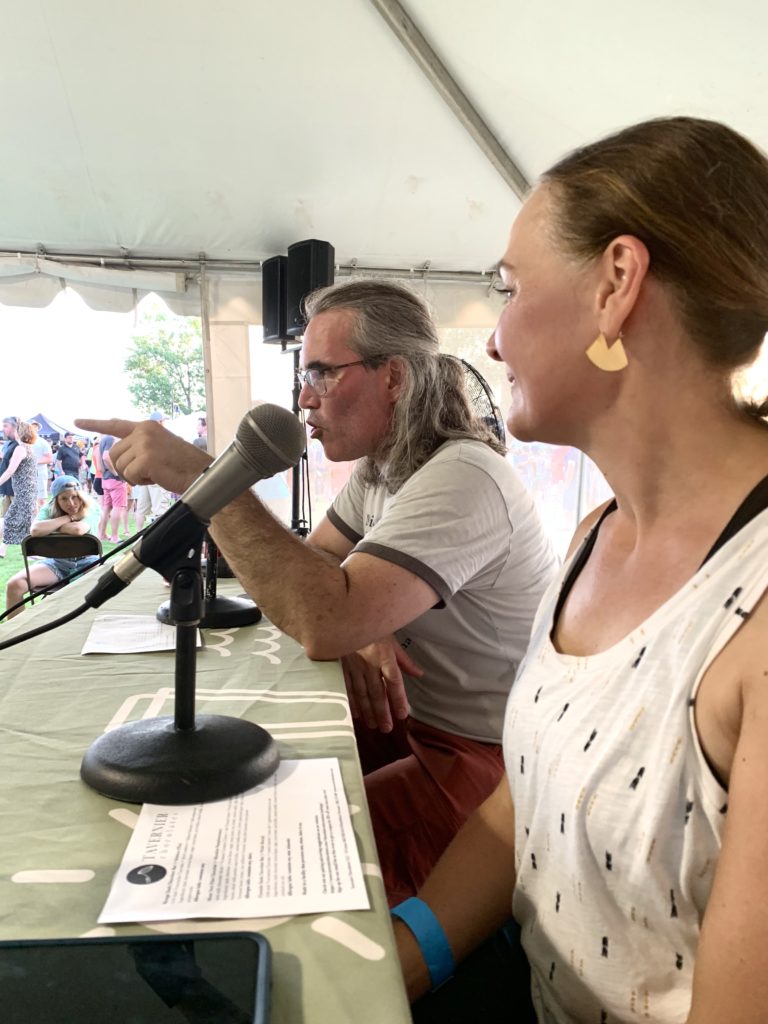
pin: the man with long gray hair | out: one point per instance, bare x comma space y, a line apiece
429, 565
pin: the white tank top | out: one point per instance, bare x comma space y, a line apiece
618, 817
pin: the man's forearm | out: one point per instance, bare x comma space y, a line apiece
300, 588
331, 610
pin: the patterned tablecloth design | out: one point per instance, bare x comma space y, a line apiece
60, 842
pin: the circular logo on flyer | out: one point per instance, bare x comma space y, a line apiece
146, 874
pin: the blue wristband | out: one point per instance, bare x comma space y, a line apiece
429, 934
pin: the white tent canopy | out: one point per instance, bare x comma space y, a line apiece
173, 128
137, 139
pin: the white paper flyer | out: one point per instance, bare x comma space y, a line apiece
284, 847
130, 634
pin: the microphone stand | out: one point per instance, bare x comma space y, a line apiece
219, 610
184, 759
298, 523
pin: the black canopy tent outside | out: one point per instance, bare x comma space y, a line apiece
53, 431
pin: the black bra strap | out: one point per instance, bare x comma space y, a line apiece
754, 503
581, 560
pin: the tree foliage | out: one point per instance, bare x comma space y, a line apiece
165, 364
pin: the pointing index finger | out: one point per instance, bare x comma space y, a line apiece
118, 428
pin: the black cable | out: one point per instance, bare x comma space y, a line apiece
306, 476
45, 628
305, 493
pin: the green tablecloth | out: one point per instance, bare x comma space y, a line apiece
54, 702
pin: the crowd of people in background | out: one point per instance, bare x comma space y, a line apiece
38, 474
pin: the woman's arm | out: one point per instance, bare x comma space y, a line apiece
470, 888
75, 527
45, 527
730, 980
19, 452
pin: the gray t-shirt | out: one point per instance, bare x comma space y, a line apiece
104, 446
465, 524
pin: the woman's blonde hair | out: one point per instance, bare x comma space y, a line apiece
24, 432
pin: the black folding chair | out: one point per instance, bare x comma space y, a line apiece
57, 545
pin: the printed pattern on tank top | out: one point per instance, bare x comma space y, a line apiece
618, 817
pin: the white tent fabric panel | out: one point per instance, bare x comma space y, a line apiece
182, 128
35, 281
158, 281
237, 299
32, 290
233, 130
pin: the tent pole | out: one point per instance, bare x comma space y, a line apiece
206, 332
438, 74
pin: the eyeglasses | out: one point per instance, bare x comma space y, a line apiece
315, 378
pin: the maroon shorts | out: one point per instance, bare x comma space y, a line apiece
422, 784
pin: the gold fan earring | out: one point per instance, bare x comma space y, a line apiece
609, 358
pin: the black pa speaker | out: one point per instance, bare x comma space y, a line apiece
310, 266
274, 298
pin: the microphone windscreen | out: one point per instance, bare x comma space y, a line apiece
270, 439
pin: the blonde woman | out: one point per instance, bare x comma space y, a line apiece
70, 513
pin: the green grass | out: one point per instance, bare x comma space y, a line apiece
13, 562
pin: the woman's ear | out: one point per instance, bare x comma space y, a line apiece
623, 268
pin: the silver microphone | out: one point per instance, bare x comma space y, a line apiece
268, 440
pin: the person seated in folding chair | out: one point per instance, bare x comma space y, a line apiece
69, 513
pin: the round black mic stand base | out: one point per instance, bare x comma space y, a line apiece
219, 612
151, 761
